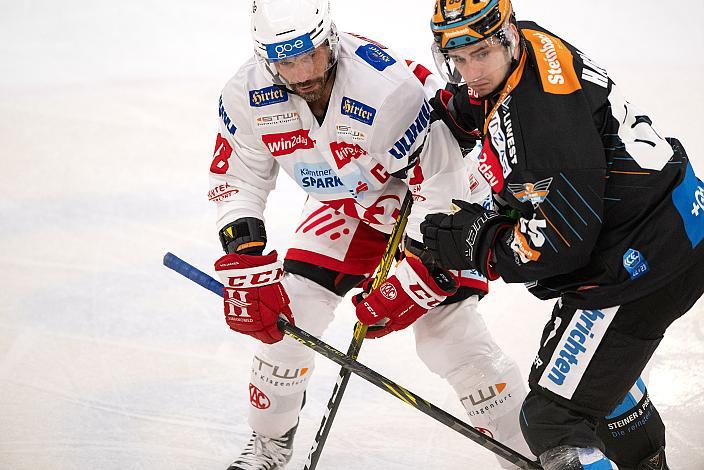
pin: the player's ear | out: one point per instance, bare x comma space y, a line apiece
515, 39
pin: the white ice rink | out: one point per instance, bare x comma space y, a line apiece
109, 361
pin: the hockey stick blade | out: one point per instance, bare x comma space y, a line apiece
182, 267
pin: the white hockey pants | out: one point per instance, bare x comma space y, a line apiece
453, 342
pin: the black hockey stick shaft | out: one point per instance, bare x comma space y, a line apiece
360, 331
410, 398
406, 396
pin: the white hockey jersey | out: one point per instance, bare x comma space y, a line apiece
377, 119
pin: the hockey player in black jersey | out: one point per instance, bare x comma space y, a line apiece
593, 207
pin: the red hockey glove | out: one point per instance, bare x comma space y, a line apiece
254, 296
404, 297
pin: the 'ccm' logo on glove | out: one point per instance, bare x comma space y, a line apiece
254, 297
404, 297
253, 277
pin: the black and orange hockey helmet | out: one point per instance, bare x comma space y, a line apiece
459, 23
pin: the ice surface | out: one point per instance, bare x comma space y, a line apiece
110, 361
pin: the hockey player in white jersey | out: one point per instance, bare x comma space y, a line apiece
347, 120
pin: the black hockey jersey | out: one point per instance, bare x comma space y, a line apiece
609, 208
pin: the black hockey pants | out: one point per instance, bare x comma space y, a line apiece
589, 361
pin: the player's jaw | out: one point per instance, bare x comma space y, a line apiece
309, 90
306, 75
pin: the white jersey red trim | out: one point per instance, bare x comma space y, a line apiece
376, 125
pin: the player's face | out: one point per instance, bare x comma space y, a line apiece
484, 66
306, 73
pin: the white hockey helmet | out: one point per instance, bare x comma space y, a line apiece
284, 29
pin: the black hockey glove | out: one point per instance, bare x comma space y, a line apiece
443, 104
464, 240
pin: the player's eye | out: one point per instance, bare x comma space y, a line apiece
479, 55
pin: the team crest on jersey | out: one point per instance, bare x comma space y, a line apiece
533, 192
357, 111
267, 96
257, 398
375, 56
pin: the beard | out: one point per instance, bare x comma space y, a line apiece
314, 94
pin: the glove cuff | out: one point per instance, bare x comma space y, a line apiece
486, 265
425, 289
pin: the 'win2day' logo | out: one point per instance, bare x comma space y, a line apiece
286, 143
358, 111
267, 96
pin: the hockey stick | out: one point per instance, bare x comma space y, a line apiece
410, 398
360, 331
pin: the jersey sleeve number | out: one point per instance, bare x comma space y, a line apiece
221, 156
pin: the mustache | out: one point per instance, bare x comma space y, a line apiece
307, 83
